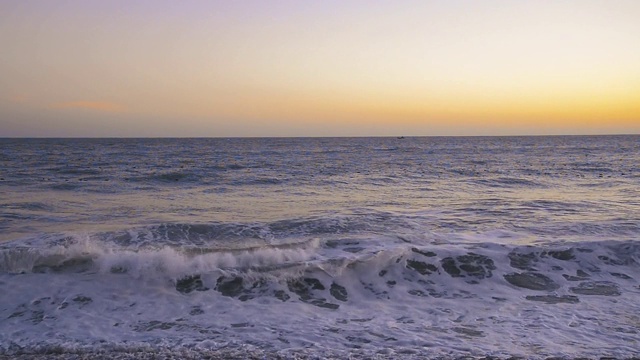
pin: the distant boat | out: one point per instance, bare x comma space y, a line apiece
400, 137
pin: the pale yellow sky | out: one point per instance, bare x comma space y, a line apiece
335, 68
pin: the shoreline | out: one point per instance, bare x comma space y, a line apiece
258, 354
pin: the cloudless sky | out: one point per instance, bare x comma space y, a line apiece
318, 68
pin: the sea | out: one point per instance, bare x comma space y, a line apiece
314, 248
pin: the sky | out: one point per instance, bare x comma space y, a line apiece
318, 68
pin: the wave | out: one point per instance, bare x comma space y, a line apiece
508, 182
340, 292
73, 255
325, 272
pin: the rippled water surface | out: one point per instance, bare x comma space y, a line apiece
544, 187
362, 246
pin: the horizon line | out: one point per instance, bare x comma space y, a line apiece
399, 137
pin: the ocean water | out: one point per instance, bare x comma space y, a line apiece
322, 247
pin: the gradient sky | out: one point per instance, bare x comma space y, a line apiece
318, 68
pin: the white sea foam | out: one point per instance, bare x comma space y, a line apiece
175, 263
342, 296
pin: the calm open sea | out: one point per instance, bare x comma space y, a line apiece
322, 247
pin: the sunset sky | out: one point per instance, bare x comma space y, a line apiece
318, 68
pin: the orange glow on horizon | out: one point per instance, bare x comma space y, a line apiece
545, 109
90, 105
